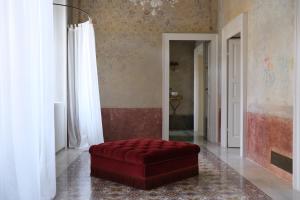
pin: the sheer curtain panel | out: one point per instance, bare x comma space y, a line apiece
27, 155
84, 110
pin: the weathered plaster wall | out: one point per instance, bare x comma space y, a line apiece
129, 46
270, 75
233, 8
182, 79
126, 123
129, 50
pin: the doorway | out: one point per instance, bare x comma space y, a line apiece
212, 117
181, 90
233, 98
189, 90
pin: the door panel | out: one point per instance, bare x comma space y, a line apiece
234, 66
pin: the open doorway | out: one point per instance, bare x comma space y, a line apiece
181, 110
188, 111
234, 83
190, 87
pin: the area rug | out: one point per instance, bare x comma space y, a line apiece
216, 181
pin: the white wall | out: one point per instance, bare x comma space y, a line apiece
60, 39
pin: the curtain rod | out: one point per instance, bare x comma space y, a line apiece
58, 4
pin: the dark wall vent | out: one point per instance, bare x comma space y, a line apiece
282, 162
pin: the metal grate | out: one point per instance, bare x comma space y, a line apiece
282, 162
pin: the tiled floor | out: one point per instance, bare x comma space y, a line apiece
223, 181
73, 178
216, 180
182, 135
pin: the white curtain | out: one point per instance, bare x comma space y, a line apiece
84, 110
27, 156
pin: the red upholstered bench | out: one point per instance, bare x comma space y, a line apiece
144, 163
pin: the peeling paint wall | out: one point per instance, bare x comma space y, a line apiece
271, 57
270, 75
129, 53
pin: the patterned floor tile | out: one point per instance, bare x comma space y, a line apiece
216, 181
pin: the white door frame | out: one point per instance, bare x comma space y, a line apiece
197, 111
166, 38
237, 26
296, 107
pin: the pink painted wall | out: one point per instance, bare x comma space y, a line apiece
127, 123
268, 133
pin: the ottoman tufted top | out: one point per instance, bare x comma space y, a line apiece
143, 151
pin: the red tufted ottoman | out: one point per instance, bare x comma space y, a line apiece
144, 163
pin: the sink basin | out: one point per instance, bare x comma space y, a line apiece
174, 93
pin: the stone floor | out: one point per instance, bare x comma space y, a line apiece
216, 180
64, 158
